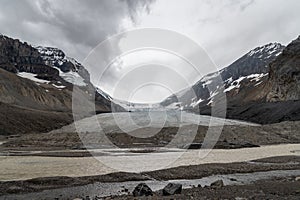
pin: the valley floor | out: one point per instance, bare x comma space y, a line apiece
61, 164
274, 177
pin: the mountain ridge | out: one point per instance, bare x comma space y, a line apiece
259, 76
41, 80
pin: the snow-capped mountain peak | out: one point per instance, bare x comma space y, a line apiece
69, 69
270, 49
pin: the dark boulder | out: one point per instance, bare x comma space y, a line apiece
193, 146
172, 188
142, 190
217, 184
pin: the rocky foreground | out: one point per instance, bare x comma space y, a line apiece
278, 188
272, 186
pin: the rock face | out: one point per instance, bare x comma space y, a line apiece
142, 190
284, 76
39, 82
172, 188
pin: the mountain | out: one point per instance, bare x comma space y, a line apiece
36, 87
251, 66
276, 98
260, 87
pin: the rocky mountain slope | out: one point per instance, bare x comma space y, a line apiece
36, 88
261, 86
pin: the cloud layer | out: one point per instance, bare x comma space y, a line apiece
225, 28
75, 26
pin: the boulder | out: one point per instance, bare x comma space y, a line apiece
193, 146
172, 188
142, 190
217, 184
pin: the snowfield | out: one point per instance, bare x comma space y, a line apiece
32, 77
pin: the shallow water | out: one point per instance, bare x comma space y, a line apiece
108, 189
26, 167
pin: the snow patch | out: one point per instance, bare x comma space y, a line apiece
235, 84
72, 77
32, 77
270, 49
256, 77
59, 86
175, 105
103, 94
194, 104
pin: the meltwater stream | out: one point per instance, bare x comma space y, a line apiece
27, 167
109, 189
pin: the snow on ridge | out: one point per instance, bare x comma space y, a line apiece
53, 57
269, 49
208, 77
175, 105
237, 83
32, 77
105, 95
256, 77
196, 103
72, 77
59, 86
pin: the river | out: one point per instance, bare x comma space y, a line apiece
26, 167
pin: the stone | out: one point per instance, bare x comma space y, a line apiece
142, 189
193, 146
172, 188
217, 184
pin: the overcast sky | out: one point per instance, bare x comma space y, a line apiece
226, 29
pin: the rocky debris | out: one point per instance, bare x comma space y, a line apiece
234, 145
86, 198
171, 189
217, 184
222, 145
193, 146
142, 189
124, 190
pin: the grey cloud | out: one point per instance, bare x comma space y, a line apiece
225, 28
75, 26
141, 5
